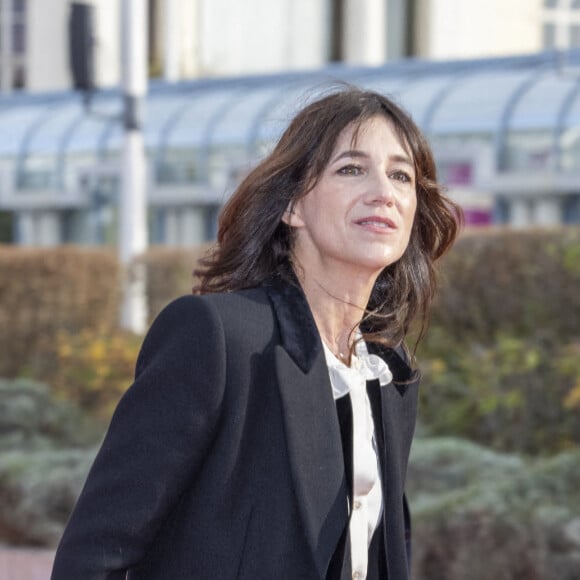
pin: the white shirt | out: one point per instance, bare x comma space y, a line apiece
367, 496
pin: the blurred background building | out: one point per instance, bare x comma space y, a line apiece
494, 84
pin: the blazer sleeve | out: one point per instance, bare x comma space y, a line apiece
158, 437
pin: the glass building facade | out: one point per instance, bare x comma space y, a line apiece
505, 132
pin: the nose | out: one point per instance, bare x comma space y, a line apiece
381, 192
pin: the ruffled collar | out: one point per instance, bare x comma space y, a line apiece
368, 366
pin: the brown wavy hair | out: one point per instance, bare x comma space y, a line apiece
254, 243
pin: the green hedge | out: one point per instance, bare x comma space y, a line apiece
501, 361
43, 291
68, 289
510, 282
482, 515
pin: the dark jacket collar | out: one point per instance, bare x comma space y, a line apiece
301, 339
298, 332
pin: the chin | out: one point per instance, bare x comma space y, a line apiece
385, 260
374, 268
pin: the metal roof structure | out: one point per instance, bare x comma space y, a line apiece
493, 96
524, 110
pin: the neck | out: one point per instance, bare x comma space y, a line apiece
338, 308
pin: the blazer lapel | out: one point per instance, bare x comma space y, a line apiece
311, 423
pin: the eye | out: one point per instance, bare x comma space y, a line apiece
402, 176
351, 169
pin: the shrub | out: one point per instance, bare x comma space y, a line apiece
38, 490
46, 449
43, 291
511, 282
94, 368
501, 360
515, 395
31, 420
6, 227
492, 516
169, 274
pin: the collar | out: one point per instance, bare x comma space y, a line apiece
368, 366
301, 339
298, 331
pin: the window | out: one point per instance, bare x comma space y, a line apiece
19, 27
529, 151
18, 76
561, 24
6, 227
549, 35
575, 35
179, 166
570, 143
572, 209
13, 41
36, 172
18, 38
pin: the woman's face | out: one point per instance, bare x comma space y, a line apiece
358, 217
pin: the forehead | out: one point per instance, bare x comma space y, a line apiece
376, 130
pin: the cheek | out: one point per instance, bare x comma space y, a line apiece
410, 210
413, 209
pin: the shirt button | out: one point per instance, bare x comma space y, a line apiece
356, 506
356, 575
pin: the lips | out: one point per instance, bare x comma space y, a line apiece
382, 223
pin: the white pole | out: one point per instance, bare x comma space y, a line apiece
171, 39
365, 31
133, 201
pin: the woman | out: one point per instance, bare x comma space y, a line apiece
268, 429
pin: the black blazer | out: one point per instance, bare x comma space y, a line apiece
224, 458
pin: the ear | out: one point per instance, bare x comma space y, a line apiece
292, 216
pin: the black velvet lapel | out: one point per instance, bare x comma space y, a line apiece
311, 423
298, 330
300, 336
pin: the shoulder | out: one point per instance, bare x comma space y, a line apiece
184, 329
208, 308
243, 308
241, 302
213, 319
246, 317
185, 315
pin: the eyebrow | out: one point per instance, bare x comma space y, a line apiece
357, 153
